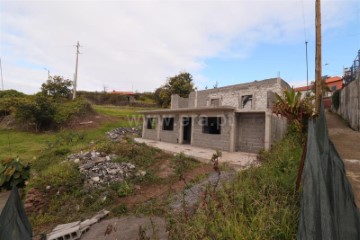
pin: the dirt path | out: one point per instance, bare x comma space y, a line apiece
347, 143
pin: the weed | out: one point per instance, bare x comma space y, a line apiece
260, 203
124, 188
120, 210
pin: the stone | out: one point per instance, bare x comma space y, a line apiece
140, 173
95, 179
76, 160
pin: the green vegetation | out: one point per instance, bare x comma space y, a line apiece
181, 84
13, 173
296, 109
28, 146
57, 87
260, 203
105, 98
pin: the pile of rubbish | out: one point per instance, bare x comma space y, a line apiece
99, 169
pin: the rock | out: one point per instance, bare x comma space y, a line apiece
140, 173
118, 134
95, 179
98, 169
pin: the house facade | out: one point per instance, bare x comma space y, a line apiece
333, 83
231, 118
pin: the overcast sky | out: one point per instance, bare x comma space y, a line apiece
136, 45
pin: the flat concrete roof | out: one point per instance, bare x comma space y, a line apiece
189, 110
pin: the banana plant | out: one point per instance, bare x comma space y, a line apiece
295, 108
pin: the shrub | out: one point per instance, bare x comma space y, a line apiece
7, 105
44, 112
13, 173
11, 94
125, 188
38, 110
66, 110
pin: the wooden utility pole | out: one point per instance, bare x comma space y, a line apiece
318, 72
76, 69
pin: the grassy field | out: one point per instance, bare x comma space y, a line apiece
28, 145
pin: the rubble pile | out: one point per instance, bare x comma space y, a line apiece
99, 169
119, 133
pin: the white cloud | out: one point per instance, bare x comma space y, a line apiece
136, 45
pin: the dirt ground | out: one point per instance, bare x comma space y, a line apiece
159, 190
347, 143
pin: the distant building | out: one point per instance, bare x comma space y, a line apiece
333, 83
129, 95
123, 93
305, 90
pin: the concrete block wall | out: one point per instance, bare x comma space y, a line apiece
349, 107
150, 133
179, 102
231, 95
214, 141
171, 136
278, 128
251, 132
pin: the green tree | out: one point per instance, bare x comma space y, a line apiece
57, 87
181, 84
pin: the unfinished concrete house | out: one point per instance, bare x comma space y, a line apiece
231, 118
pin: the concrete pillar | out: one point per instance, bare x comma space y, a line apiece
158, 127
144, 125
267, 140
181, 129
195, 103
193, 117
232, 123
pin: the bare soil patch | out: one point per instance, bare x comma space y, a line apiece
90, 121
146, 193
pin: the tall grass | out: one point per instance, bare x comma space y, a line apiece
260, 203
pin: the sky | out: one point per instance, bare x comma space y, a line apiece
137, 45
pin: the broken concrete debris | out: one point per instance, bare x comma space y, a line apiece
74, 230
98, 168
119, 133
